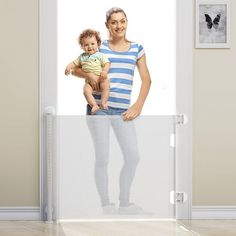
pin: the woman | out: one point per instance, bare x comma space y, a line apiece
124, 56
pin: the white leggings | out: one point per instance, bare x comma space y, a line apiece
125, 133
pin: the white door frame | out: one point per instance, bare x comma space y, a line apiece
48, 94
184, 49
48, 83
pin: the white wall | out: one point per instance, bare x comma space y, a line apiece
214, 129
19, 103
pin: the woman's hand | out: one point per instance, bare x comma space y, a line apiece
103, 75
90, 77
93, 81
132, 112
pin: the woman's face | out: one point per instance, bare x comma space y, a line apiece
117, 25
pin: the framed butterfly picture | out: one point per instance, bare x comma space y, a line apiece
212, 24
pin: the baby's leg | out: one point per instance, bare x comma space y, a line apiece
105, 87
88, 90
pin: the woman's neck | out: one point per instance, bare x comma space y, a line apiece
118, 41
119, 44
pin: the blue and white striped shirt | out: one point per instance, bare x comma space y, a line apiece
121, 74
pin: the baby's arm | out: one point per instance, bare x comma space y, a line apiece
69, 68
105, 70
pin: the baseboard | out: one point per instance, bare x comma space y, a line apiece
198, 212
20, 213
214, 212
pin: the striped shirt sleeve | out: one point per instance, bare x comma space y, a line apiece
141, 52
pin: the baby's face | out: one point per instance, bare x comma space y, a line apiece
90, 45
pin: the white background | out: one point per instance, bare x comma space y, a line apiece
150, 23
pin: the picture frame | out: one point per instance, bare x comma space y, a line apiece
212, 25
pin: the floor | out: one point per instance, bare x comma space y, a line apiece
142, 228
30, 228
211, 227
145, 228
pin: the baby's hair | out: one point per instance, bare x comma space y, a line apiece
89, 33
114, 10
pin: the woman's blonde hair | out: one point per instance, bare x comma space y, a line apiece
89, 33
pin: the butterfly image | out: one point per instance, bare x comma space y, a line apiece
214, 23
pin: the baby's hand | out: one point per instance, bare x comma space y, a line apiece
103, 75
67, 71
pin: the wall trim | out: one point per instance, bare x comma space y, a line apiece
184, 75
20, 213
214, 212
48, 84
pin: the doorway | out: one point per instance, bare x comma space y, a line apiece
176, 94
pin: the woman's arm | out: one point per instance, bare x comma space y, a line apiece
105, 70
91, 77
136, 108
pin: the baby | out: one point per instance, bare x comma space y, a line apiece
91, 60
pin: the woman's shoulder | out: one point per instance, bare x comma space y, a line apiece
136, 46
104, 42
104, 45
